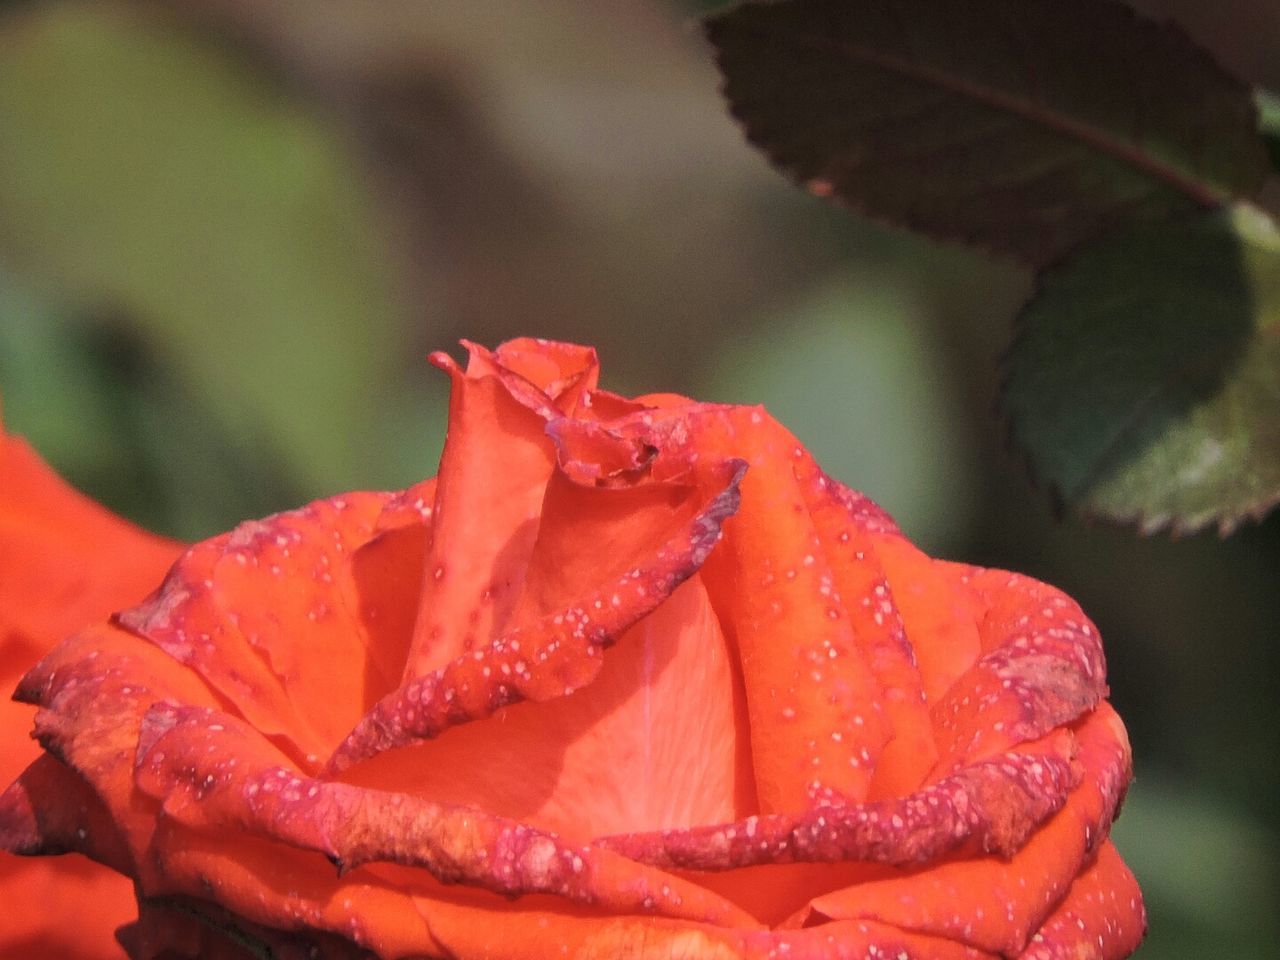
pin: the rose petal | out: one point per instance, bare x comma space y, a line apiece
51, 810
65, 562
497, 460
259, 882
377, 908
825, 566
524, 937
1041, 667
69, 906
658, 739
940, 613
805, 669
371, 913
177, 929
993, 805
94, 690
992, 903
869, 596
64, 907
657, 534
255, 610
210, 770
1102, 917
564, 372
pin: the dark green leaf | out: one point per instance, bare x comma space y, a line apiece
1145, 383
1025, 126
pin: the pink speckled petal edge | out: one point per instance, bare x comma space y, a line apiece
1041, 667
210, 770
560, 651
992, 806
251, 611
993, 902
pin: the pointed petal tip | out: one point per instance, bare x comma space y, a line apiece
443, 361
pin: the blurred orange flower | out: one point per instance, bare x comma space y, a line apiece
65, 563
631, 678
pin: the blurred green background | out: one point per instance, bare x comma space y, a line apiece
230, 231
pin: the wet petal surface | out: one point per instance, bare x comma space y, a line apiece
632, 678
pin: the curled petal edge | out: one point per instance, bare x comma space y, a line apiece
212, 770
991, 807
553, 656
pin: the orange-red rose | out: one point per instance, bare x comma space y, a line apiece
630, 678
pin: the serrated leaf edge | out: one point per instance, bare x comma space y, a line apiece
1146, 525
1206, 198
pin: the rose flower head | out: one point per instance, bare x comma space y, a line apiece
630, 678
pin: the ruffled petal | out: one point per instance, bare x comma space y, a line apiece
615, 553
659, 739
497, 460
179, 929
93, 691
254, 611
1101, 918
369, 912
211, 771
570, 699
993, 903
994, 805
818, 718
50, 810
1041, 667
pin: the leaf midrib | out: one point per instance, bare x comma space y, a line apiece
1215, 363
1203, 194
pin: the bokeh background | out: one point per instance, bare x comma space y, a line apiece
231, 230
